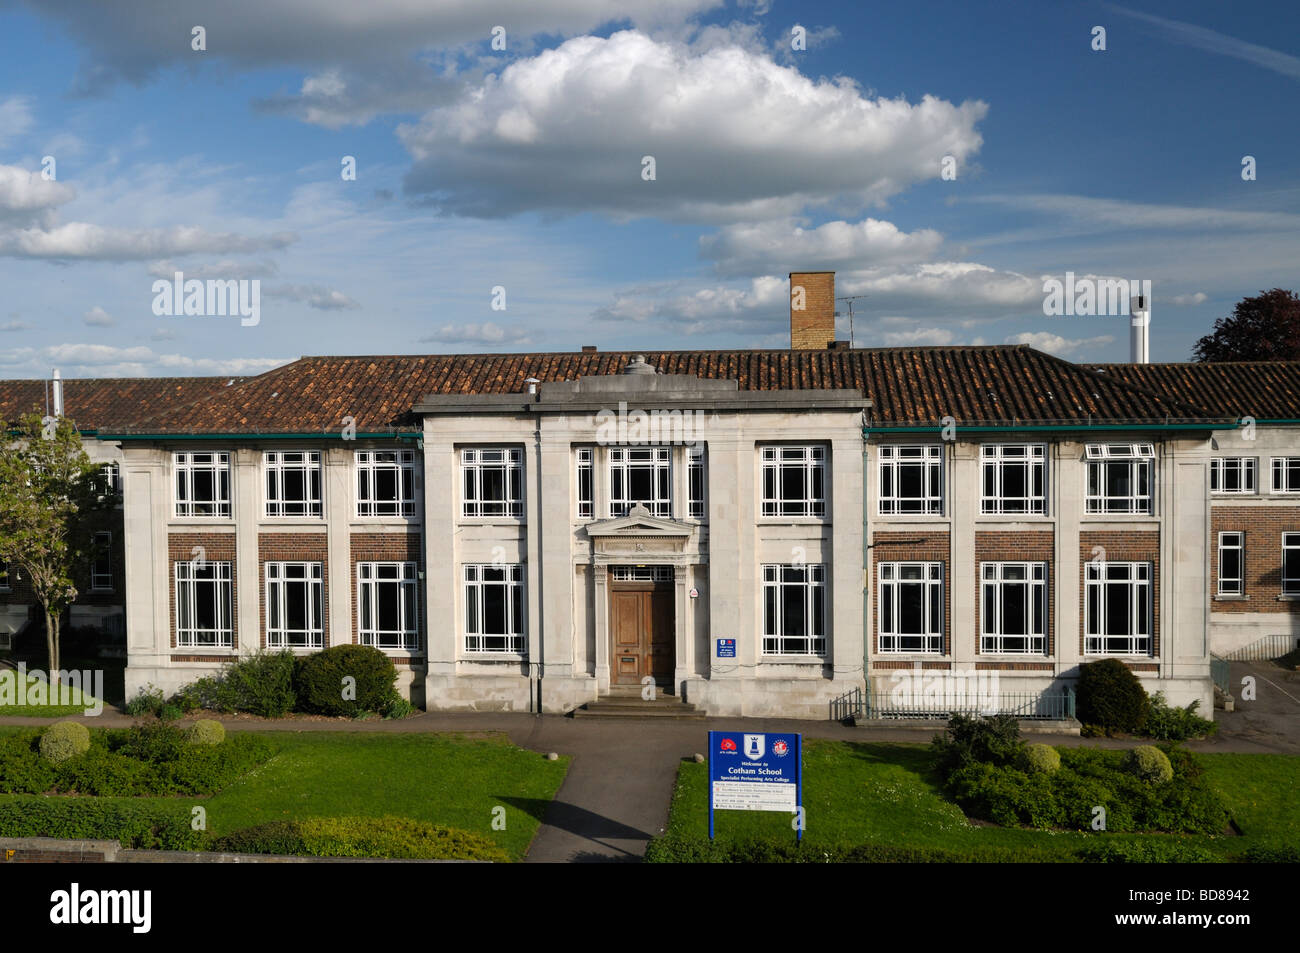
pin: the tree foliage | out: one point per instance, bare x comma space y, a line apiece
1263, 328
50, 493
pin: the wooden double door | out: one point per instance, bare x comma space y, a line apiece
643, 631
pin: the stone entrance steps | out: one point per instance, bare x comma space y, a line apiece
634, 706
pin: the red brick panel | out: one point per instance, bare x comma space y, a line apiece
292, 548
1263, 527
931, 546
219, 548
1122, 547
1013, 546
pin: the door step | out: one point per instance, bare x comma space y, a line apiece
634, 706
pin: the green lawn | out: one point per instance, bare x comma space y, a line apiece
452, 780
9, 695
858, 792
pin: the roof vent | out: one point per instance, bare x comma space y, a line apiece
532, 383
837, 345
589, 349
638, 365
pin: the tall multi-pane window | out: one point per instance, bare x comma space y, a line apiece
1014, 478
494, 608
385, 482
293, 481
1232, 564
1117, 608
110, 479
101, 566
1232, 475
640, 475
911, 480
794, 609
696, 481
1286, 474
1013, 608
295, 605
794, 481
1119, 477
1291, 564
493, 481
387, 609
204, 604
202, 483
910, 609
586, 490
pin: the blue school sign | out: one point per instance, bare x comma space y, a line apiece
750, 771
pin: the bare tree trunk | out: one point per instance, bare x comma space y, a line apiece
52, 641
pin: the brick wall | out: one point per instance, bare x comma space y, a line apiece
1263, 526
385, 547
218, 547
292, 548
814, 326
926, 546
1122, 547
1017, 546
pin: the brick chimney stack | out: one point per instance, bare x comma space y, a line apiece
812, 309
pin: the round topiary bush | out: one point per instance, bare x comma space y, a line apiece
1111, 697
205, 731
1150, 764
345, 680
1042, 759
65, 740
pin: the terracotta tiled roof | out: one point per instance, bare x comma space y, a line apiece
108, 403
1266, 390
975, 385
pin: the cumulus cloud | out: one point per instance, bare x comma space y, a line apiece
734, 136
102, 360
485, 333
1056, 344
766, 247
26, 198
314, 296
81, 240
761, 304
917, 337
97, 317
1183, 301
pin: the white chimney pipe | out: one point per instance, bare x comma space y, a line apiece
1140, 329
58, 394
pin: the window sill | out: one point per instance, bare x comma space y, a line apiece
492, 521
492, 657
201, 520
1229, 597
792, 660
794, 521
317, 518
1289, 597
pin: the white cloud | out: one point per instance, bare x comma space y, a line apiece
15, 326
1114, 213
1183, 301
15, 118
97, 317
734, 135
81, 240
314, 296
27, 198
917, 337
485, 333
956, 284
1214, 42
1056, 344
101, 360
767, 247
226, 268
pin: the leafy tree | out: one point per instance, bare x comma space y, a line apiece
1263, 328
50, 494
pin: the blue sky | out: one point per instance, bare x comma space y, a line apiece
522, 169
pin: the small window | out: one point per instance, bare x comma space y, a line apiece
110, 480
493, 481
696, 481
585, 483
1232, 475
293, 480
101, 565
911, 480
295, 606
911, 607
1286, 474
642, 573
202, 484
387, 605
385, 482
794, 481
1291, 564
1232, 576
1119, 478
794, 609
1014, 478
494, 608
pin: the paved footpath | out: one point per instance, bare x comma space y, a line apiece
620, 780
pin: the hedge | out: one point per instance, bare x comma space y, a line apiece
392, 837
143, 826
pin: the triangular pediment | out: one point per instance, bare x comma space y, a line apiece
638, 522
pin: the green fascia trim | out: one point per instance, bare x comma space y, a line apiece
1051, 428
385, 435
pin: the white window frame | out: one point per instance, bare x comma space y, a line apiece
278, 579
697, 470
1238, 587
891, 459
275, 465
110, 476
584, 462
1097, 576
101, 569
401, 463
1285, 474
1290, 584
811, 579
999, 577
641, 573
189, 463
189, 575
1000, 456
776, 459
475, 464
369, 583
510, 578
660, 461
1139, 461
889, 581
1246, 470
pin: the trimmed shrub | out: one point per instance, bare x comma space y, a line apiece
675, 849
1111, 697
260, 684
394, 837
994, 740
319, 680
1272, 854
145, 826
1150, 764
205, 731
1145, 852
64, 740
156, 741
1042, 759
1166, 723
